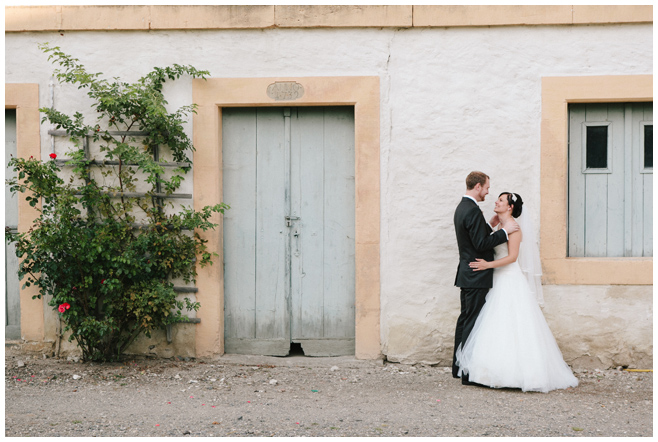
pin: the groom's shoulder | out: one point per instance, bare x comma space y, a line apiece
465, 207
467, 204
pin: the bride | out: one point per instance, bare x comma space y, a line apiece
511, 345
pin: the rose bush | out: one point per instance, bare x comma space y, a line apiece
103, 259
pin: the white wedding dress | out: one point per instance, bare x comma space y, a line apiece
510, 344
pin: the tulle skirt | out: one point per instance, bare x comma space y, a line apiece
511, 344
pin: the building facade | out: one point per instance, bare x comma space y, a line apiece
552, 102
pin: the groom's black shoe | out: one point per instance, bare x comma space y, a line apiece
465, 381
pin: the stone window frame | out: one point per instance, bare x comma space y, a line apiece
213, 94
556, 95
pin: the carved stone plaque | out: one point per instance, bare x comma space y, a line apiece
285, 90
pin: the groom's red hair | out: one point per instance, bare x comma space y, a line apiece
474, 178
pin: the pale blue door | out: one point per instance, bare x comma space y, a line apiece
12, 293
289, 235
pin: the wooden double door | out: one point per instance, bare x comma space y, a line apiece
289, 268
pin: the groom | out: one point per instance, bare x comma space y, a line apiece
475, 240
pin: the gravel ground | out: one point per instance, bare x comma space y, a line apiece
297, 396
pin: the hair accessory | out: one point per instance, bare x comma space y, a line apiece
513, 195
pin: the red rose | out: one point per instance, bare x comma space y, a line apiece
63, 307
53, 156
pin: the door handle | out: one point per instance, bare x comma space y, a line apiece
290, 219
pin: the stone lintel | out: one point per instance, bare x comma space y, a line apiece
197, 17
342, 16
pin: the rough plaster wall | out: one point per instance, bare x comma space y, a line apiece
474, 103
452, 100
609, 326
182, 345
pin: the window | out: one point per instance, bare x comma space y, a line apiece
647, 131
610, 189
596, 147
557, 95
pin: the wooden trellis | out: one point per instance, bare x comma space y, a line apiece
158, 196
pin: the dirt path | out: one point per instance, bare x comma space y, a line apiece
297, 396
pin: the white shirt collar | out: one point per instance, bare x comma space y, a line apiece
467, 196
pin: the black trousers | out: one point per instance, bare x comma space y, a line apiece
472, 301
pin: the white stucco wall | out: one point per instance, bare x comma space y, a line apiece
452, 100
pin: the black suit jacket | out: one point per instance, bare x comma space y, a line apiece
475, 240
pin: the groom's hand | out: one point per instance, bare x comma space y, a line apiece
511, 226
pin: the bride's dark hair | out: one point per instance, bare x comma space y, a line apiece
518, 204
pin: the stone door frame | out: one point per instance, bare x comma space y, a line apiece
213, 94
24, 97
